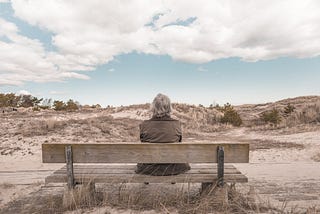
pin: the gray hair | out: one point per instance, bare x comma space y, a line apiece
161, 106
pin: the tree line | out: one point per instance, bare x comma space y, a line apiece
28, 101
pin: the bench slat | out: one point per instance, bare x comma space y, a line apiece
132, 166
146, 153
134, 178
131, 171
125, 173
129, 168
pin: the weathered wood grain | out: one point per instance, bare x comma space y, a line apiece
131, 170
135, 178
132, 166
146, 153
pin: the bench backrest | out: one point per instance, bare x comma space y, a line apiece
146, 153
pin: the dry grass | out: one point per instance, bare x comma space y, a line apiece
81, 196
136, 198
167, 198
196, 121
164, 198
32, 128
307, 111
123, 129
258, 144
6, 185
316, 157
9, 150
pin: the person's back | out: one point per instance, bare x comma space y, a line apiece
161, 128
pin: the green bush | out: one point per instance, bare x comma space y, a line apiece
27, 101
230, 115
9, 100
59, 105
62, 106
71, 106
288, 109
272, 116
12, 100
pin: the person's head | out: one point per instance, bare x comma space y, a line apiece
161, 106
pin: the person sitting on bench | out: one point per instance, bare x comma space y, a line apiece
161, 128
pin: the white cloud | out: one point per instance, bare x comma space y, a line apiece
57, 92
23, 92
90, 33
24, 59
111, 70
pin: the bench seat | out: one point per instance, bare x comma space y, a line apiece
116, 162
124, 173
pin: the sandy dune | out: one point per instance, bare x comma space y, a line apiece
283, 168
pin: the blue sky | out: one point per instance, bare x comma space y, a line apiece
57, 50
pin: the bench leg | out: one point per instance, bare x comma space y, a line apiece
69, 163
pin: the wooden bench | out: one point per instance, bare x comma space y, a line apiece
115, 162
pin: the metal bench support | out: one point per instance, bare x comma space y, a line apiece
220, 172
69, 162
220, 156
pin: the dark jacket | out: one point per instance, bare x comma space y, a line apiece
161, 130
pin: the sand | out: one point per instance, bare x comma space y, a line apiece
283, 168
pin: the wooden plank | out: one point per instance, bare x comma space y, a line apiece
146, 153
129, 178
133, 166
131, 171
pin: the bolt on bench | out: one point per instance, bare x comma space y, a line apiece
115, 162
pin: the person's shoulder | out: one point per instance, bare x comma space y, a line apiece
163, 119
175, 120
157, 121
146, 123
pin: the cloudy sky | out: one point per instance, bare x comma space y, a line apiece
125, 52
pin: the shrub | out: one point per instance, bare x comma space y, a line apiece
230, 115
59, 105
36, 108
95, 106
71, 106
309, 114
272, 116
62, 106
11, 100
8, 100
27, 101
288, 109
